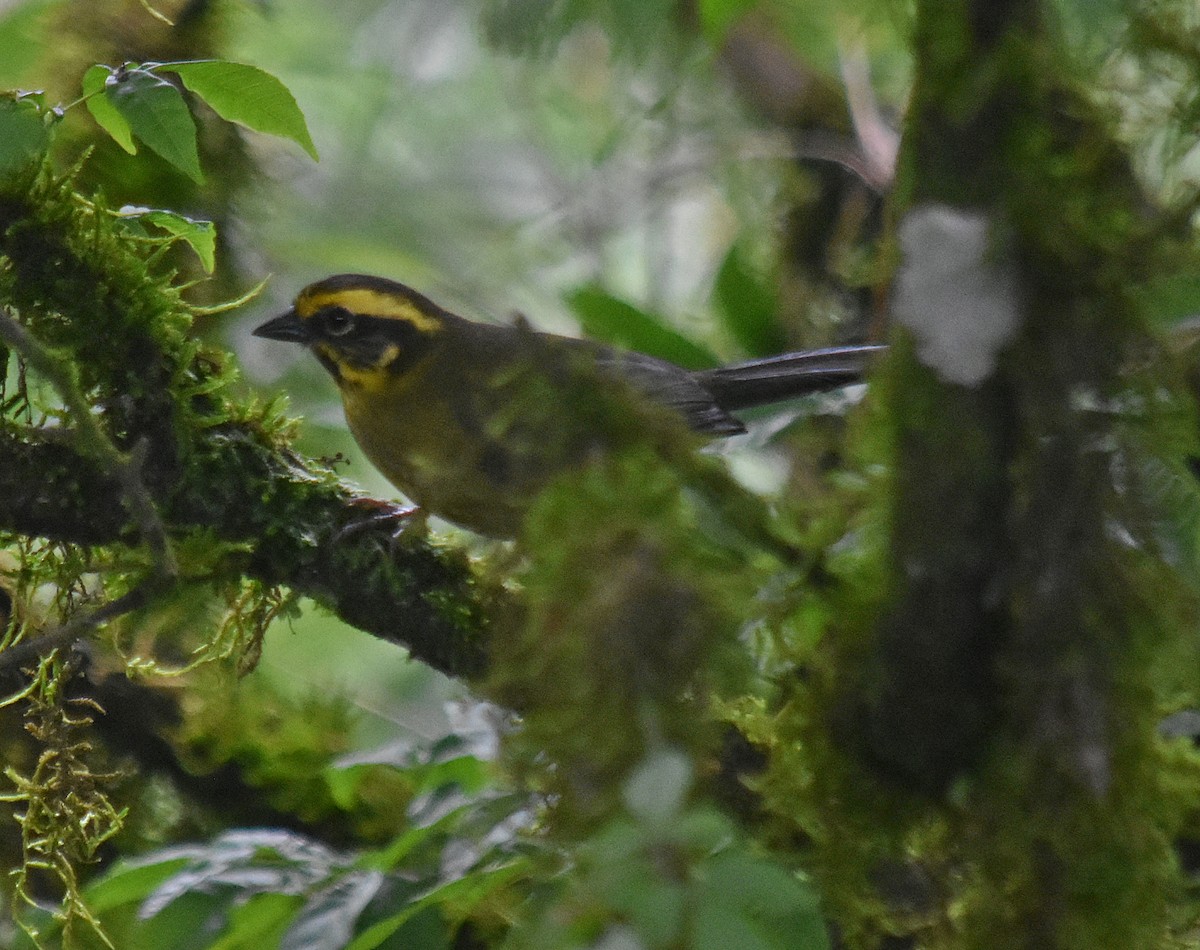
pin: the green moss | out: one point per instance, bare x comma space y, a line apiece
1023, 591
631, 608
246, 736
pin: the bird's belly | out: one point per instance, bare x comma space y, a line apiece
448, 477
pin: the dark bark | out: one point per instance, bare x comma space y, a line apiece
410, 593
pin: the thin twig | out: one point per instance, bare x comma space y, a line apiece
141, 507
94, 442
29, 650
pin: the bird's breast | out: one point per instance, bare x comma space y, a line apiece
436, 460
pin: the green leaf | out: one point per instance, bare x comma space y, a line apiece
652, 903
761, 887
1172, 298
746, 304
614, 321
702, 829
717, 16
382, 930
103, 110
246, 95
719, 928
419, 928
157, 115
461, 894
191, 924
199, 234
748, 901
24, 136
261, 921
129, 882
329, 916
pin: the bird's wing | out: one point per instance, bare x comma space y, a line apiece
671, 386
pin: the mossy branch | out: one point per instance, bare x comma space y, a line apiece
93, 441
418, 596
123, 467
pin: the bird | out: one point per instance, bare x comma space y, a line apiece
471, 420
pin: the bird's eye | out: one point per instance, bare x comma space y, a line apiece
337, 321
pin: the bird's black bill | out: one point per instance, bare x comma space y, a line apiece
286, 327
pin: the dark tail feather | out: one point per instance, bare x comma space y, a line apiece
775, 378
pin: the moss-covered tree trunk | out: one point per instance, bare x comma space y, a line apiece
1006, 689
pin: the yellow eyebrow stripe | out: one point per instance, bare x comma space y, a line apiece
370, 303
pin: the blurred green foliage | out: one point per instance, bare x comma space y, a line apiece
278, 756
679, 178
